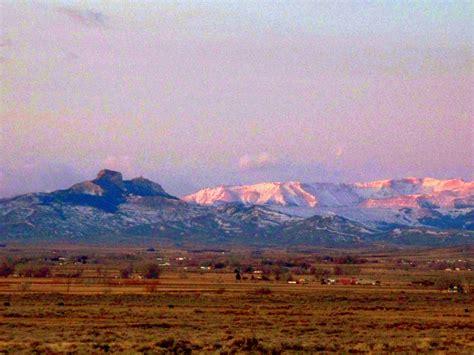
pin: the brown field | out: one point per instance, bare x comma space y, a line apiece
89, 308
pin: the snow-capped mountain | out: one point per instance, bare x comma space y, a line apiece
410, 201
275, 193
410, 192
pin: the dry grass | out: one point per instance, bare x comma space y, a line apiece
212, 313
286, 319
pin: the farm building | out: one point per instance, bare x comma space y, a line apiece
456, 289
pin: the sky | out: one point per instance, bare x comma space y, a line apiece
203, 93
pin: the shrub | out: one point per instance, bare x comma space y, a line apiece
178, 346
349, 259
103, 347
247, 345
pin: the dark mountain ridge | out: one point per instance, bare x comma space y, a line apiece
107, 191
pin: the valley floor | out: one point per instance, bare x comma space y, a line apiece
219, 315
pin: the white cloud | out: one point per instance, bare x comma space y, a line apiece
259, 161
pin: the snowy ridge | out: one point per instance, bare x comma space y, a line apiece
410, 192
274, 193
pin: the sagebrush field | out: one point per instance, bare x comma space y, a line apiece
94, 300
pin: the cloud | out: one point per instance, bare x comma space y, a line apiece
260, 161
87, 18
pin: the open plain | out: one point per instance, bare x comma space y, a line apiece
87, 302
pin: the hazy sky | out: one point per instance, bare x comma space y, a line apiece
195, 93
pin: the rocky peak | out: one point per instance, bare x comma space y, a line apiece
110, 175
144, 187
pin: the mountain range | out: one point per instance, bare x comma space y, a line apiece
409, 192
410, 201
109, 209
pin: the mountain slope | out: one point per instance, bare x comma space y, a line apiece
326, 230
109, 209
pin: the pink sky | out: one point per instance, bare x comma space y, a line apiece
200, 94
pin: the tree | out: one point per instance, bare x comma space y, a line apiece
152, 271
319, 272
126, 272
6, 269
338, 270
237, 275
219, 265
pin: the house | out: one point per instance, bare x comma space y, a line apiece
328, 281
455, 289
346, 281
